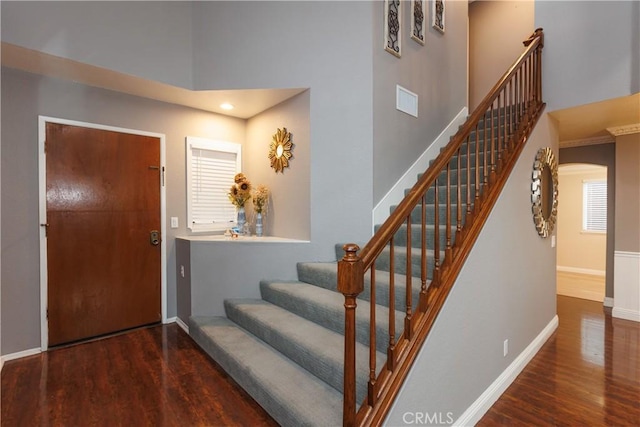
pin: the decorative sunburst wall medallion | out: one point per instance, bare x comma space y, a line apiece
280, 150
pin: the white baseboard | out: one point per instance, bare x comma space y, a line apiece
170, 320
396, 194
626, 314
608, 302
577, 270
183, 325
20, 354
474, 413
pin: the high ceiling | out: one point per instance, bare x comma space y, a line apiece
585, 123
247, 103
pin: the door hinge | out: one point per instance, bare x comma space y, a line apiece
163, 176
47, 314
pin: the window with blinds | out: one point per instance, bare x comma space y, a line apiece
594, 206
211, 166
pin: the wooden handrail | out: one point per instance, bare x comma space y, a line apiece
512, 108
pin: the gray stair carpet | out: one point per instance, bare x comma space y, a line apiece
314, 347
288, 392
325, 274
286, 349
327, 309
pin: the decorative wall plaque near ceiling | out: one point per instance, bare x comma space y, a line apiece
392, 39
280, 150
417, 20
437, 15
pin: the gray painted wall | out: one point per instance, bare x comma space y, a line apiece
592, 50
605, 155
496, 32
24, 97
321, 46
146, 39
436, 72
288, 213
463, 355
219, 270
183, 281
324, 46
263, 45
627, 211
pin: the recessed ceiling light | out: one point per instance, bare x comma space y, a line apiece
226, 106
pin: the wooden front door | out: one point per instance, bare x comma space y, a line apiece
103, 203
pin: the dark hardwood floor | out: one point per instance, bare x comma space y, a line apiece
586, 374
155, 376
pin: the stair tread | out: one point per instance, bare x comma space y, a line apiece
310, 345
291, 395
322, 303
329, 277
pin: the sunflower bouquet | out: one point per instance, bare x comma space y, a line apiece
240, 191
261, 198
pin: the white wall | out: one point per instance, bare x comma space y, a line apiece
591, 52
463, 355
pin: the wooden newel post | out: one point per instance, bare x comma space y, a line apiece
538, 33
350, 284
537, 54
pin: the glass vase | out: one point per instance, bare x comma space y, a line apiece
259, 224
242, 219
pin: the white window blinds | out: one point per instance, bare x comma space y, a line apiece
594, 206
211, 166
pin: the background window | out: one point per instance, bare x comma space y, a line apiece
211, 166
594, 206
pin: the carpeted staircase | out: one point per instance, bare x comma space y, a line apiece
286, 349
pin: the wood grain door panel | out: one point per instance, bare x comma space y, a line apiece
103, 199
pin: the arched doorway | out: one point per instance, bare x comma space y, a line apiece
582, 231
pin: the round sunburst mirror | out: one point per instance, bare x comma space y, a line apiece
280, 150
544, 191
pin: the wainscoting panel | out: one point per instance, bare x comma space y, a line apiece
626, 286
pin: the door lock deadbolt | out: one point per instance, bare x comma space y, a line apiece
154, 237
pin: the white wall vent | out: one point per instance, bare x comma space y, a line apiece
406, 101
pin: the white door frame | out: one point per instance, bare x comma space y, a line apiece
42, 179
